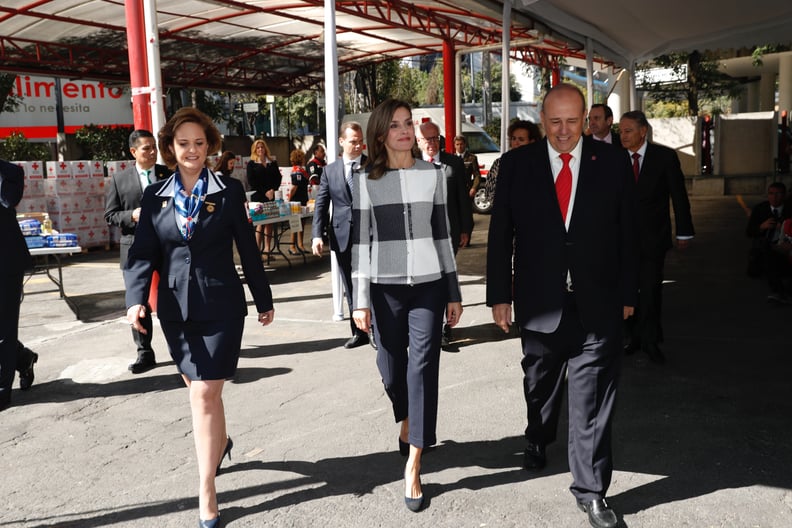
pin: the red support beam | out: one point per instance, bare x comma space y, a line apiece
449, 93
138, 72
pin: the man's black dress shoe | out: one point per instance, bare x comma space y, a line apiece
534, 457
142, 365
27, 375
631, 348
600, 515
357, 340
372, 342
5, 399
655, 354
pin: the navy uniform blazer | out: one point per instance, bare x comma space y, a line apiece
333, 189
661, 178
599, 250
16, 257
198, 278
123, 196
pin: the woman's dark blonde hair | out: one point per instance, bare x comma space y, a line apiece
222, 164
184, 115
297, 157
377, 133
267, 153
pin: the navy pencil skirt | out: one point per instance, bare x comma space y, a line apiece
205, 350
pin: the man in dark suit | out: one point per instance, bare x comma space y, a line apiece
334, 188
122, 209
600, 119
562, 247
16, 259
764, 227
658, 177
460, 210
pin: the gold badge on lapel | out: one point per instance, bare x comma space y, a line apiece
210, 207
164, 204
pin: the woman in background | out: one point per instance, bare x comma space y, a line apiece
225, 164
298, 193
188, 226
404, 277
264, 178
520, 133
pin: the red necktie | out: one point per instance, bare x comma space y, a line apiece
564, 185
636, 165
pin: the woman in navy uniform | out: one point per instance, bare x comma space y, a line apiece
187, 226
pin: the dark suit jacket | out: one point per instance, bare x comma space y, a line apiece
460, 211
198, 278
122, 196
759, 214
661, 178
333, 189
16, 257
599, 250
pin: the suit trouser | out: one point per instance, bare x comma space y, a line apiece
11, 353
646, 324
409, 321
776, 267
143, 341
344, 259
591, 363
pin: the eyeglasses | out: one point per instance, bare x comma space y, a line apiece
432, 139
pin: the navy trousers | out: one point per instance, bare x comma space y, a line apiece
591, 364
344, 259
11, 353
409, 323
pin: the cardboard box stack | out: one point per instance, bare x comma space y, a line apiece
74, 192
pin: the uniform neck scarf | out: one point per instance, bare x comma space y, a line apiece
189, 205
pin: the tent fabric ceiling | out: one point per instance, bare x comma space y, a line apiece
626, 31
268, 46
272, 46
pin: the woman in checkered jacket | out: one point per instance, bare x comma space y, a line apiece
404, 277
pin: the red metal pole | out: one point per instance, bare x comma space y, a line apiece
555, 77
138, 74
449, 93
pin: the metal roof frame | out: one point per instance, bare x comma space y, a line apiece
262, 46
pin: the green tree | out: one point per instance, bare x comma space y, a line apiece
297, 112
17, 147
698, 81
496, 75
433, 87
8, 102
104, 143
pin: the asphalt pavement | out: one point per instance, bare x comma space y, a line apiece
703, 441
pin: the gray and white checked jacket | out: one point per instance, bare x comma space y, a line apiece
400, 231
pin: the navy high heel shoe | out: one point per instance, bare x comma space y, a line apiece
227, 451
211, 523
414, 505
